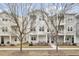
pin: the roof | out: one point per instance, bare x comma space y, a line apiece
36, 11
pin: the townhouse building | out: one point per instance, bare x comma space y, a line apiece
68, 32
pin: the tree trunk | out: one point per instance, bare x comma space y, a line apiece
21, 45
57, 42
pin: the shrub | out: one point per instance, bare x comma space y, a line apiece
31, 44
74, 44
8, 42
27, 42
12, 44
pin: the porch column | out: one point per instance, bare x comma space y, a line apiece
37, 39
0, 39
29, 39
10, 39
64, 38
75, 39
50, 39
46, 38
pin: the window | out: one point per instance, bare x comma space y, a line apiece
4, 19
40, 19
4, 29
33, 38
33, 29
15, 39
41, 28
52, 41
47, 30
70, 19
8, 42
69, 28
67, 38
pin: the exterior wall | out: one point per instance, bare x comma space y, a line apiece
77, 39
69, 23
42, 38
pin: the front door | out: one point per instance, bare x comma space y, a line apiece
2, 40
73, 40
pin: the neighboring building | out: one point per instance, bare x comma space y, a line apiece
40, 32
6, 30
68, 32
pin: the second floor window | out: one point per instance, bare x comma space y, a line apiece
4, 29
70, 29
47, 30
33, 29
41, 28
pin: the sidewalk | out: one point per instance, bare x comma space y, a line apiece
39, 48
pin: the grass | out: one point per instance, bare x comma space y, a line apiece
25, 45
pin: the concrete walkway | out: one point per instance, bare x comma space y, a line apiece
39, 48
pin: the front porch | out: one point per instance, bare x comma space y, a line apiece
38, 39
7, 40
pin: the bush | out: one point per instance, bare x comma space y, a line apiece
12, 44
27, 42
8, 42
31, 44
74, 44
42, 43
2, 44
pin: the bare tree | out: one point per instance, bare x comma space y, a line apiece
18, 12
57, 14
